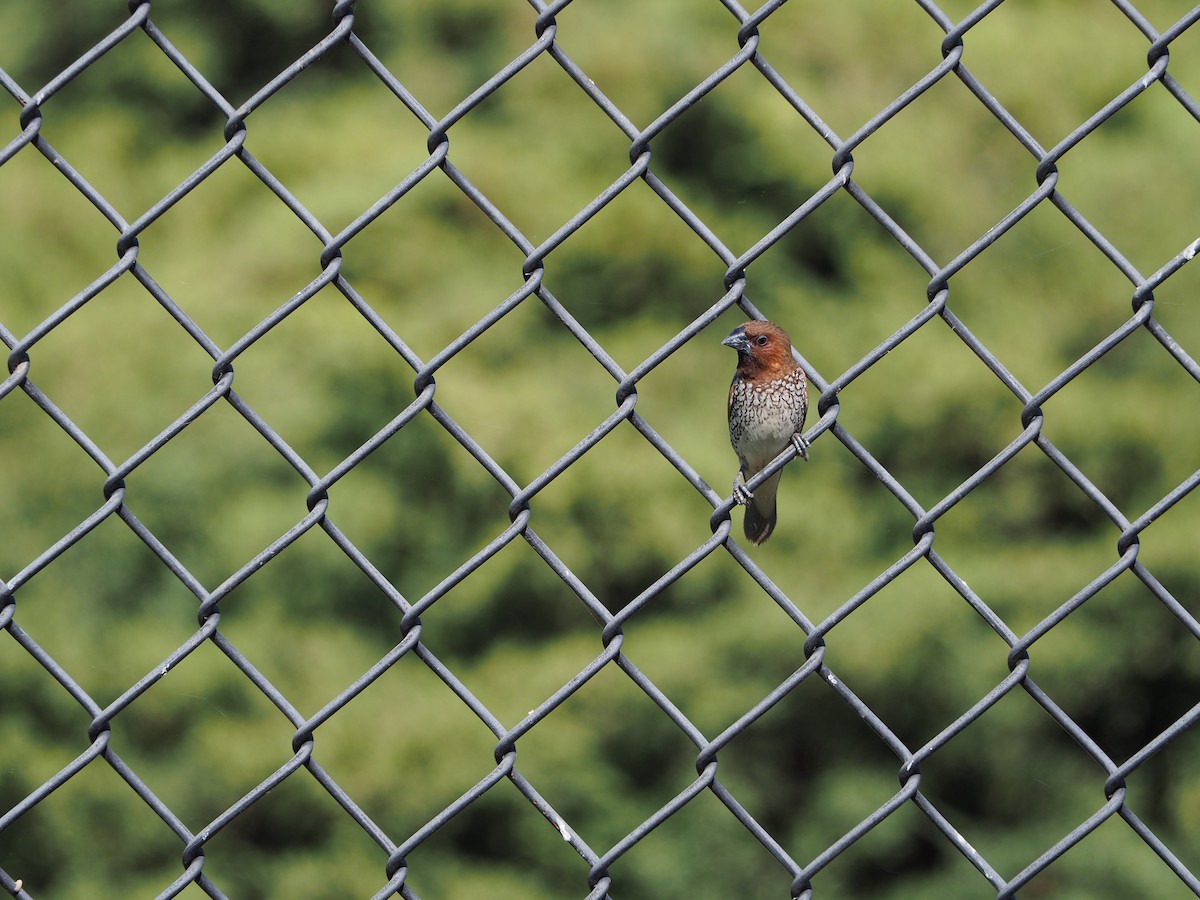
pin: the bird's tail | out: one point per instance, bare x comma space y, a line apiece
760, 511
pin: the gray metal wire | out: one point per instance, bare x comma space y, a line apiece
396, 849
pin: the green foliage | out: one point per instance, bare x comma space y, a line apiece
230, 253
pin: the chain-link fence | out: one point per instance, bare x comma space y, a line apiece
943, 830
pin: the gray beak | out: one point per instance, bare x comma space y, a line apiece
737, 340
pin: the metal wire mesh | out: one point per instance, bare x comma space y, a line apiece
595, 876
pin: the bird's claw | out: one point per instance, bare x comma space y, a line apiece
741, 494
801, 445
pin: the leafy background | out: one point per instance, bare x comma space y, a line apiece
230, 253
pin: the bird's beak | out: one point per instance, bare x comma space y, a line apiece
737, 340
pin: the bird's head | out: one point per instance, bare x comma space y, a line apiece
761, 345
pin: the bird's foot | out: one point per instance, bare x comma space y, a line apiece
801, 445
741, 494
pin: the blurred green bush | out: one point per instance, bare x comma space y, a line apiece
230, 253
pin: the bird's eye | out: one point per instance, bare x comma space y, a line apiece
761, 340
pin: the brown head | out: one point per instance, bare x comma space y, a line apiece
763, 350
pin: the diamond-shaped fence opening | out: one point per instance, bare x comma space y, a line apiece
375, 588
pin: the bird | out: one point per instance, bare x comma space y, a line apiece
768, 400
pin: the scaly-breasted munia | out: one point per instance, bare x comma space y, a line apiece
767, 404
